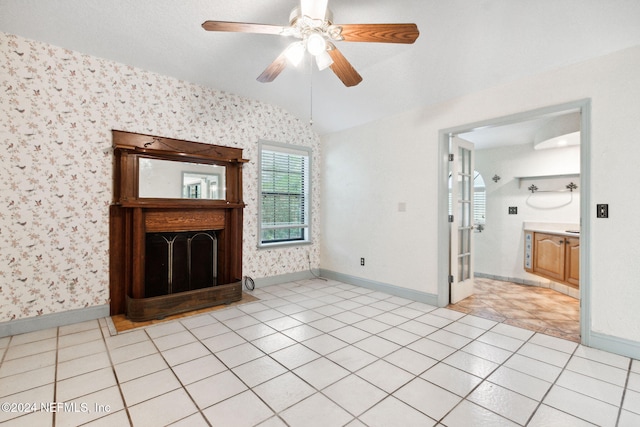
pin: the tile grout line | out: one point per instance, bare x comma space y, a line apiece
113, 370
624, 391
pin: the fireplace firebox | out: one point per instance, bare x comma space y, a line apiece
175, 226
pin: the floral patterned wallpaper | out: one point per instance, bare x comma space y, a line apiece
57, 110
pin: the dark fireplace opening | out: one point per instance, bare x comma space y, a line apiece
179, 262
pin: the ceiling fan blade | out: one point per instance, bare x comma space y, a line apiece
314, 9
380, 33
243, 27
274, 69
343, 69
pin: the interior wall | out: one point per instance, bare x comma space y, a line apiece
402, 247
57, 110
499, 248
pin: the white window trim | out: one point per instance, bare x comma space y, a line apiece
291, 149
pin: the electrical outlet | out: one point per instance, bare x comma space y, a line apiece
513, 210
361, 261
602, 211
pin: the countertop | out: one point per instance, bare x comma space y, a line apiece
561, 229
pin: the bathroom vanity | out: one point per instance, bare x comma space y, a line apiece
553, 251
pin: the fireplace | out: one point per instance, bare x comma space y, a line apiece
179, 262
175, 226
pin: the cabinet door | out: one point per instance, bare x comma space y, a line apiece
572, 260
548, 256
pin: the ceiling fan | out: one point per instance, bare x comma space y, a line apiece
312, 23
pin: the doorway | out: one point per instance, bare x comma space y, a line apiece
582, 108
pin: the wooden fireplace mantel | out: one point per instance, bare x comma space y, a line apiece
132, 217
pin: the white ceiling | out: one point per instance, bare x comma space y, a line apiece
464, 46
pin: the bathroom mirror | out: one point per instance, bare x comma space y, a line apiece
167, 179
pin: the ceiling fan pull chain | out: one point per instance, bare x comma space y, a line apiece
310, 94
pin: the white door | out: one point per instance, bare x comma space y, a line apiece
461, 220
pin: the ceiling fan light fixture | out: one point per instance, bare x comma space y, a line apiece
323, 60
316, 44
295, 53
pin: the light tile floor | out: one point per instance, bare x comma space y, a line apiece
314, 353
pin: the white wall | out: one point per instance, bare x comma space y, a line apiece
360, 215
499, 247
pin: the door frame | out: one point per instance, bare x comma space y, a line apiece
584, 107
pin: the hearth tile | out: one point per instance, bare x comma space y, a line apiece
214, 389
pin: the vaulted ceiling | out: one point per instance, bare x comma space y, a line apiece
464, 46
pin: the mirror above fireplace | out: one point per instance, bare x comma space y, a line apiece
169, 179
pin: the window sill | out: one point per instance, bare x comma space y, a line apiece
284, 244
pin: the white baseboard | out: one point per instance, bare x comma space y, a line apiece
31, 324
411, 294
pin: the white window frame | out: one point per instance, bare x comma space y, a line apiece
283, 148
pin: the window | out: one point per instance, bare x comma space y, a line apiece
479, 199
284, 194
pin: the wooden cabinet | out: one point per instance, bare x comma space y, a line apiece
554, 256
